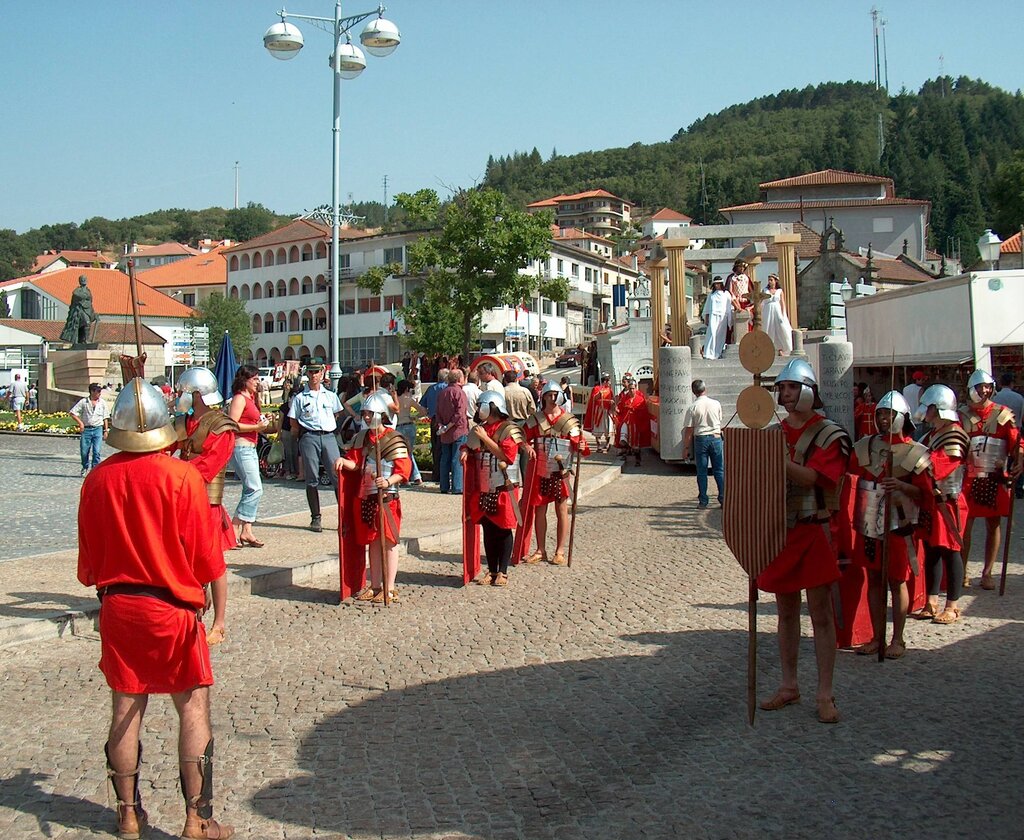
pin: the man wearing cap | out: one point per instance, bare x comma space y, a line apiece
314, 417
912, 392
149, 570
93, 419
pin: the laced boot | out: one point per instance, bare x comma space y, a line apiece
199, 822
131, 819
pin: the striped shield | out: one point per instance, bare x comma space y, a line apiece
754, 518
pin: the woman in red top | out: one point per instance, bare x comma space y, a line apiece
818, 452
244, 461
994, 458
490, 459
555, 435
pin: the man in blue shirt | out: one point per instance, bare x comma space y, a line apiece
429, 402
313, 418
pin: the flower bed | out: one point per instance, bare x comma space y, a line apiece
60, 423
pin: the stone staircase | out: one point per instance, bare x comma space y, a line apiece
726, 377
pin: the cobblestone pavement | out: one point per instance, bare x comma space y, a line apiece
605, 701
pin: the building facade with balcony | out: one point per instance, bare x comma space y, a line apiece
594, 211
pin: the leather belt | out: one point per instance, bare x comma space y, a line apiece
316, 431
158, 592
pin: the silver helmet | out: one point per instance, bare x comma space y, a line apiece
140, 422
379, 404
799, 371
490, 402
943, 399
199, 379
979, 377
895, 402
552, 387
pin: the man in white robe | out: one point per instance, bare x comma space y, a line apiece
717, 315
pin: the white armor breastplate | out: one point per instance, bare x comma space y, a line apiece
952, 484
869, 510
555, 454
492, 480
986, 456
368, 487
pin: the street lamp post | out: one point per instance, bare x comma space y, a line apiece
988, 247
380, 37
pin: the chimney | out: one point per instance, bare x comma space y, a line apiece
906, 247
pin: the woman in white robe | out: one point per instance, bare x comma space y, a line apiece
774, 320
717, 315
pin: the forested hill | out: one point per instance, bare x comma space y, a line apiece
942, 143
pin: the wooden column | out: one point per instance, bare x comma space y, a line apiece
786, 244
675, 249
657, 274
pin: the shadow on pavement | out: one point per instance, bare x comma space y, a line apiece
23, 792
656, 744
43, 604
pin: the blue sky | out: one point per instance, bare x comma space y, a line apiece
114, 108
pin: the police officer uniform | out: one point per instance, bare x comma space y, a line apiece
315, 412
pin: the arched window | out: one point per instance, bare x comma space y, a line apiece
257, 260
307, 286
261, 357
307, 252
282, 256
304, 353
293, 321
244, 263
321, 251
257, 324
321, 284
319, 352
293, 254
320, 321
233, 263
233, 293
248, 355
307, 319
282, 289
268, 323
293, 286
268, 257
257, 291
289, 354
269, 289
282, 322
275, 355
245, 291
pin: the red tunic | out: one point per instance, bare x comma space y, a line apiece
545, 491
143, 519
631, 415
217, 451
899, 551
864, 419
946, 519
808, 559
600, 405
367, 532
1004, 431
503, 517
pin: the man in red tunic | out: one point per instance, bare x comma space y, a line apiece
149, 568
600, 409
993, 463
632, 422
818, 453
908, 487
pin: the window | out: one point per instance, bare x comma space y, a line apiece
370, 304
393, 255
546, 306
392, 302
307, 252
588, 320
307, 320
561, 268
356, 352
189, 299
346, 260
560, 309
530, 305
576, 270
588, 275
282, 325
348, 306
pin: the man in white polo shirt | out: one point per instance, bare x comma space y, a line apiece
703, 438
93, 419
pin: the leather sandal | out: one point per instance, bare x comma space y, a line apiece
926, 613
827, 711
367, 594
486, 579
558, 559
253, 543
895, 650
200, 829
950, 615
778, 701
987, 582
867, 649
536, 557
379, 597
500, 579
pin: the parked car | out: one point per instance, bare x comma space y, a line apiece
570, 358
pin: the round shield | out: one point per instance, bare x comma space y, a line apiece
755, 406
757, 352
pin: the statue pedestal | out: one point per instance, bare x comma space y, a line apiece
73, 370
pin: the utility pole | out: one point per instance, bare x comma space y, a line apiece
385, 199
236, 184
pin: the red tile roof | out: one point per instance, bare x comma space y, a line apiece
667, 215
110, 294
896, 270
297, 231
551, 202
209, 269
807, 248
576, 233
826, 176
824, 204
545, 202
108, 332
165, 249
1011, 245
43, 260
86, 258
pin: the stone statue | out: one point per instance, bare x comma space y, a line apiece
82, 320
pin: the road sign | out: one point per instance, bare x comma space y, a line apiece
190, 345
515, 333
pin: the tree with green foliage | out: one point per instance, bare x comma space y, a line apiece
219, 314
474, 261
5, 307
245, 223
16, 255
1007, 196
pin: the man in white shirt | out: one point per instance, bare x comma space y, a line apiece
489, 380
93, 419
471, 389
703, 438
18, 394
313, 415
912, 393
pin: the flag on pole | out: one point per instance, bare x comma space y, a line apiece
393, 323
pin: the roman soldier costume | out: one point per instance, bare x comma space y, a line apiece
995, 442
632, 421
600, 411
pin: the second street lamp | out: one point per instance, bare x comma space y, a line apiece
380, 37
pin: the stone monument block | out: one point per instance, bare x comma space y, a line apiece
835, 381
73, 370
675, 396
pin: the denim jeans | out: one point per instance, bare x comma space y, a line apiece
246, 465
408, 431
92, 437
451, 466
705, 448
